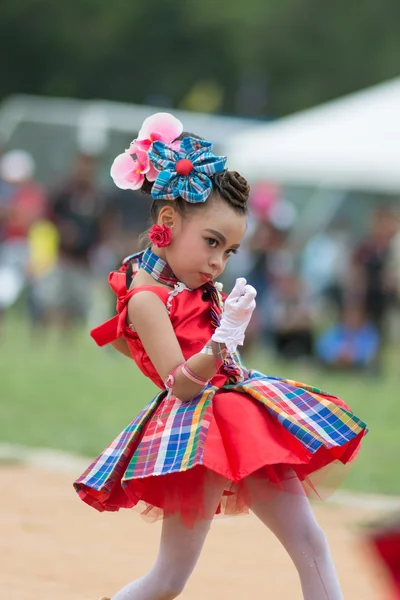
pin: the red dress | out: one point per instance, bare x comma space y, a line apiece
164, 460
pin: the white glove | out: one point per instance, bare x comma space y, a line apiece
236, 315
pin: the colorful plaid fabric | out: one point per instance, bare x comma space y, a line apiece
174, 439
194, 187
175, 432
234, 368
306, 412
158, 268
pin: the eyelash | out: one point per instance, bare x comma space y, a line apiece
208, 240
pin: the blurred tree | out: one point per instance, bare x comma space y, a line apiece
268, 58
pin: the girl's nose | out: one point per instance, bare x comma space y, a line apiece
216, 263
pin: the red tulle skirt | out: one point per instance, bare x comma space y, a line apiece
247, 454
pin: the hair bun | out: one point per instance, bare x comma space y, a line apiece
232, 186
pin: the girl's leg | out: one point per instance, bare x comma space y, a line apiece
289, 516
177, 557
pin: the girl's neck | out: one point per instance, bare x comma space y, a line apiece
143, 278
154, 270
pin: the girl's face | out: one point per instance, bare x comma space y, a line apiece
203, 242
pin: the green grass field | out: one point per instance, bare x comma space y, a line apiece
77, 397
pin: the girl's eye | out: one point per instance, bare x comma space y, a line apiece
214, 244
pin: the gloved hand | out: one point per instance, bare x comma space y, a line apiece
236, 315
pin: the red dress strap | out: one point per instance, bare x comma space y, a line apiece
114, 328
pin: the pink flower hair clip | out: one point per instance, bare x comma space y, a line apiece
130, 169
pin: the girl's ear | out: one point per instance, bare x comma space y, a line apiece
167, 216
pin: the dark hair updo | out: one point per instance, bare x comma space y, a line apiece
229, 185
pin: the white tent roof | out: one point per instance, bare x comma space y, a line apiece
350, 143
104, 115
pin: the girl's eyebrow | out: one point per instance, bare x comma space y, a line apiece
221, 237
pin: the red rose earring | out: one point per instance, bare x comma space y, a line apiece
160, 235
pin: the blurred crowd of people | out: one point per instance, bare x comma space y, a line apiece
327, 299
330, 298
51, 241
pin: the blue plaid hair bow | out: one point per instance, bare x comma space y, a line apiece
186, 172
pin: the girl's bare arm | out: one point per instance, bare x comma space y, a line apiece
149, 317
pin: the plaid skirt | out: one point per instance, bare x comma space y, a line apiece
254, 438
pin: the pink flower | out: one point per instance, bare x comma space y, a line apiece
162, 127
128, 171
160, 235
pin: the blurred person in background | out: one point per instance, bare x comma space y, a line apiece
130, 213
370, 279
289, 319
272, 259
261, 239
43, 242
79, 210
352, 343
393, 272
22, 204
324, 265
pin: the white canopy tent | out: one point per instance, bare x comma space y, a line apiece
53, 130
94, 120
348, 144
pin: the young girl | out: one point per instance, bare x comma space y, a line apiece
218, 438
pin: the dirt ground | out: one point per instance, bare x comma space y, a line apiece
53, 547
